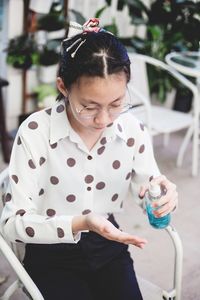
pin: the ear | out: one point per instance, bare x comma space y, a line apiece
61, 87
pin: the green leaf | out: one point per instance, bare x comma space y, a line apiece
100, 11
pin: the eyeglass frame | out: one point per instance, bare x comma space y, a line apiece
78, 111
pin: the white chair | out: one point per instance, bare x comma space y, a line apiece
159, 119
149, 290
10, 252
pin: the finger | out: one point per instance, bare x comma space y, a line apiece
171, 194
142, 192
167, 208
131, 239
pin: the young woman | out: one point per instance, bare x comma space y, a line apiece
71, 168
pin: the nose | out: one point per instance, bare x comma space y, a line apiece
103, 118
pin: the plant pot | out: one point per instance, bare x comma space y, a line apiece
57, 34
183, 100
42, 7
47, 74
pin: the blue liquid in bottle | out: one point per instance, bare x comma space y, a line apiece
154, 194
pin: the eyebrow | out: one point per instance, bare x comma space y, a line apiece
89, 101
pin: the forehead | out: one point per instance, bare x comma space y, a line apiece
99, 89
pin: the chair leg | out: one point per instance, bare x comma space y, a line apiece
166, 139
195, 151
184, 146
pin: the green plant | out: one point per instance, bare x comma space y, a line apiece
44, 90
48, 57
22, 52
54, 20
170, 25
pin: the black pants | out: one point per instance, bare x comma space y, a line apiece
92, 269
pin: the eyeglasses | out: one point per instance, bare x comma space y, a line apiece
91, 111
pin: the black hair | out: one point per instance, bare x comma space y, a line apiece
100, 54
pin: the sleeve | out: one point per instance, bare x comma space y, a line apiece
20, 219
144, 164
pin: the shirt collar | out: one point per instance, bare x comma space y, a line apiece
60, 126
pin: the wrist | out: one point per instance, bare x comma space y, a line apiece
79, 223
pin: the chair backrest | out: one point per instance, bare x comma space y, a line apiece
9, 252
139, 84
139, 78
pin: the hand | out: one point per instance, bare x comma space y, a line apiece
106, 229
168, 202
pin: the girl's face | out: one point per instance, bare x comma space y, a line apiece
95, 102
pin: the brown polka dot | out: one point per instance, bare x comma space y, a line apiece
86, 211
89, 188
142, 126
42, 160
89, 178
116, 164
60, 108
71, 198
33, 125
15, 178
54, 180
60, 232
130, 142
101, 150
31, 164
30, 231
71, 162
109, 125
103, 141
50, 212
128, 175
41, 192
100, 185
18, 241
119, 127
141, 149
8, 197
133, 172
20, 212
19, 141
48, 111
3, 198
53, 146
151, 177
121, 205
89, 157
133, 157
114, 197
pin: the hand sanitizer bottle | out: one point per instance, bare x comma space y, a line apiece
153, 194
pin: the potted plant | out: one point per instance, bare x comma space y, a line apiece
170, 25
48, 65
45, 95
53, 23
22, 52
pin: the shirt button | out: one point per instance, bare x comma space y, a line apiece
89, 188
89, 157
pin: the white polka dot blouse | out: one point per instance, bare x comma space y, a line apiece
53, 176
